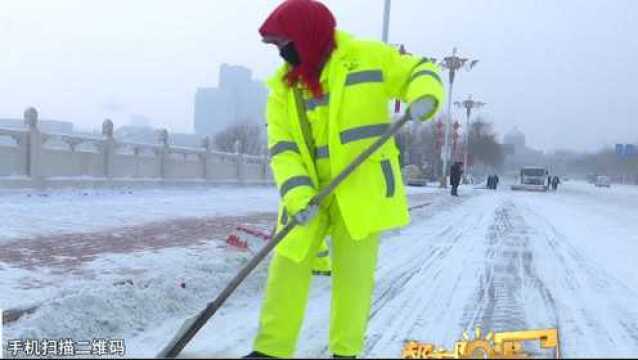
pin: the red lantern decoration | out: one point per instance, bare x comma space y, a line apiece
439, 135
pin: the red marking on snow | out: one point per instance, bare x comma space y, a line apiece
66, 252
234, 241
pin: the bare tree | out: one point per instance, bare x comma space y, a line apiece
249, 135
417, 145
483, 146
605, 162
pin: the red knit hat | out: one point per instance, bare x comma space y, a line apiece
310, 25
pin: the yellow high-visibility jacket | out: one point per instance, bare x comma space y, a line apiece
364, 76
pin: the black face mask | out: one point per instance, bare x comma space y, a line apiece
289, 53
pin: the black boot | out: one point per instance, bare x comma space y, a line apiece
257, 355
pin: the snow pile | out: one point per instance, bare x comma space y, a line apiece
170, 284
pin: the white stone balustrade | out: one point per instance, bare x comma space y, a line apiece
36, 159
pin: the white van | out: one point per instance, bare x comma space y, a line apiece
602, 181
532, 179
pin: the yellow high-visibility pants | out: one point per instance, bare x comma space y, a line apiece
286, 294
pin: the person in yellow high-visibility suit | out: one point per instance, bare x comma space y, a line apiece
328, 103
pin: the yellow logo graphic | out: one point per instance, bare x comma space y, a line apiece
505, 345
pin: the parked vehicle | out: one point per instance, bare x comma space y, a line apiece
602, 181
414, 176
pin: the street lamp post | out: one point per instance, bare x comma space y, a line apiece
452, 63
386, 21
468, 104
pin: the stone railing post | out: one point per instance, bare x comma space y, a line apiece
33, 145
163, 153
22, 154
239, 161
205, 157
108, 149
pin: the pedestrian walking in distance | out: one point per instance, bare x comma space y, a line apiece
455, 177
555, 182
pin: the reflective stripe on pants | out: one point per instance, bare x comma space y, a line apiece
286, 295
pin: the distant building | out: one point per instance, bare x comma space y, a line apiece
515, 138
508, 149
517, 153
238, 98
183, 139
139, 120
137, 134
149, 135
53, 126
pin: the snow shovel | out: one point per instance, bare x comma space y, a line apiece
192, 325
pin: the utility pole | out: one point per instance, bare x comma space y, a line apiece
468, 104
384, 36
452, 63
386, 21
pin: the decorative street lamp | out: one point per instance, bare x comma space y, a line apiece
468, 104
452, 63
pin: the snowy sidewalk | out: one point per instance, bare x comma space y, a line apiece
29, 214
117, 223
122, 227
66, 252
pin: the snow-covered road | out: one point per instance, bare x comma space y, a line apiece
501, 260
514, 261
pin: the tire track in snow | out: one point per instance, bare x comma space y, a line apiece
482, 274
509, 278
595, 312
407, 304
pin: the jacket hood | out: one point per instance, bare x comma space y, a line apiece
311, 26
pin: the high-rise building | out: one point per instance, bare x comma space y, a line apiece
237, 99
518, 153
515, 138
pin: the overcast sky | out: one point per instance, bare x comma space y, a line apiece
564, 72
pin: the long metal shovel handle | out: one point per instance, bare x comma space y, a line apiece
194, 324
